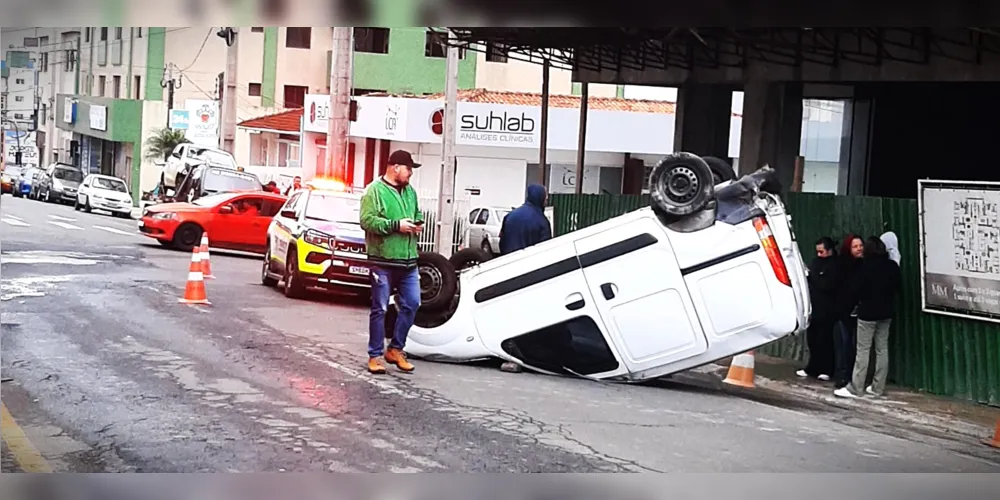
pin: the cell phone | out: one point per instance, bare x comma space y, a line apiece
418, 223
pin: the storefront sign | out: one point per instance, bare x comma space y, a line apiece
203, 122
960, 248
69, 110
493, 127
180, 119
98, 117
316, 113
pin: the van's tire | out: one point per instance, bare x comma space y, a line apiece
681, 184
469, 257
722, 171
438, 281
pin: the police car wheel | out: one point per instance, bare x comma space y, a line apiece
294, 287
265, 277
438, 281
681, 184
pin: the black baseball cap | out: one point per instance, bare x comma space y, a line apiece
400, 157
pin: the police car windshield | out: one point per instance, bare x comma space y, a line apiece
330, 207
218, 180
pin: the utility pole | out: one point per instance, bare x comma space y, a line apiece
338, 121
446, 207
544, 124
171, 83
581, 148
231, 36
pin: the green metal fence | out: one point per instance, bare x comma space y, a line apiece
938, 354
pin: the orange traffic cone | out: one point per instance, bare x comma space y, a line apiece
741, 370
206, 259
194, 291
996, 437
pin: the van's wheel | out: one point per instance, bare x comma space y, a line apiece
469, 257
438, 281
681, 184
722, 171
187, 236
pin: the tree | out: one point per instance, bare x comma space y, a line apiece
162, 143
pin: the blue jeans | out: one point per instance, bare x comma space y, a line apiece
406, 282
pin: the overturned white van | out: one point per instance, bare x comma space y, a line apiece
708, 271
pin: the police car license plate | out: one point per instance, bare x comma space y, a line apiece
359, 270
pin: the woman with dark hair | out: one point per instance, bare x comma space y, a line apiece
876, 285
845, 332
823, 287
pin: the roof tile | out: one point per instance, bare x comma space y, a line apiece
285, 121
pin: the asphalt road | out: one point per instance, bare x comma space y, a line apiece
111, 373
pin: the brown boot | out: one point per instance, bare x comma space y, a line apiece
375, 366
398, 357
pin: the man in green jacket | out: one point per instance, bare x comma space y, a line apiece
392, 222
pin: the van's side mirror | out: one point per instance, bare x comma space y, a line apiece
226, 209
288, 214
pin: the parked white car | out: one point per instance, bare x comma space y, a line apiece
483, 231
186, 156
707, 272
103, 192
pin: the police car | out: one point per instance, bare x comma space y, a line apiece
316, 241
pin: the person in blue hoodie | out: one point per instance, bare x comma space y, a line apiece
526, 225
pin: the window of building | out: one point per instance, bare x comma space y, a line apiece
43, 113
19, 81
371, 40
295, 96
19, 98
102, 82
87, 33
254, 90
70, 59
137, 93
18, 116
118, 33
104, 34
43, 61
496, 52
137, 32
116, 82
257, 29
434, 46
30, 42
43, 41
298, 38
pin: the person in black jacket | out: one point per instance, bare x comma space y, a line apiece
876, 286
526, 225
846, 331
823, 288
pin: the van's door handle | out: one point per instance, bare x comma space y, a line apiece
575, 302
608, 289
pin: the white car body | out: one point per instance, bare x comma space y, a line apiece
655, 301
483, 230
96, 192
185, 156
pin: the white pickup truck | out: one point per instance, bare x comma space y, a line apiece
708, 271
186, 156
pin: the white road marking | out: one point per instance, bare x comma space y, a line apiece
15, 222
113, 230
64, 225
59, 217
12, 216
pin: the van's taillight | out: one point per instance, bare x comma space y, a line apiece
771, 248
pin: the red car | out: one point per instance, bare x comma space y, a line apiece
234, 221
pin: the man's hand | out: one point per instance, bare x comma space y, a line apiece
406, 226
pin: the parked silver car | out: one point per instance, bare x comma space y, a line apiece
59, 183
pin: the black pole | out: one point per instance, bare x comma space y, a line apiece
170, 99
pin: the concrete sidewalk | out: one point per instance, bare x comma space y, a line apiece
902, 412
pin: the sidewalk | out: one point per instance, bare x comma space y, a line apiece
903, 412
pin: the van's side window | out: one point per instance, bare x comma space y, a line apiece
573, 346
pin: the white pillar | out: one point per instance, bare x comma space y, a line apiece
443, 237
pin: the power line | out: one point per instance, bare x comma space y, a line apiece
203, 42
